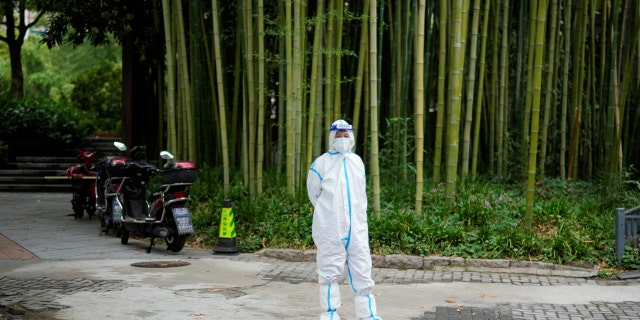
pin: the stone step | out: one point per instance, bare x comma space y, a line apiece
44, 179
17, 172
48, 159
35, 187
28, 173
49, 166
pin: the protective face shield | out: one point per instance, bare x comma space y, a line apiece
341, 144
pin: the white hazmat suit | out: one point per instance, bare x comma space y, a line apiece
337, 189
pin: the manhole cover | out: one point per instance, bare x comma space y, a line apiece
499, 312
160, 264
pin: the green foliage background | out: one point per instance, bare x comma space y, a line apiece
39, 126
98, 92
70, 93
86, 77
573, 221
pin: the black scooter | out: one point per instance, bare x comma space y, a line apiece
166, 214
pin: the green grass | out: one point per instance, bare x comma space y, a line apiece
573, 222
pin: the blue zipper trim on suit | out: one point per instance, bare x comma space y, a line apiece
351, 279
346, 177
316, 172
329, 299
346, 246
373, 316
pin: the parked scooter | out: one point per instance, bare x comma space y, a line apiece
165, 215
83, 182
109, 183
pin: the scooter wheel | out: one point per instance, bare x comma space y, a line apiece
124, 239
118, 230
79, 213
175, 242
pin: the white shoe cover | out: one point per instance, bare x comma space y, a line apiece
365, 307
333, 315
330, 297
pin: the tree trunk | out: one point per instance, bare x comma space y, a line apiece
221, 96
262, 91
441, 105
17, 77
453, 123
250, 93
291, 112
539, 35
503, 104
550, 87
15, 41
315, 90
481, 75
373, 87
470, 89
419, 104
565, 89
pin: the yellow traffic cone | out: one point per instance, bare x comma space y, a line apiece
227, 234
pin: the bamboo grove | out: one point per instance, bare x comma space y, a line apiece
436, 90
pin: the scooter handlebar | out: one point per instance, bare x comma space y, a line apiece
139, 166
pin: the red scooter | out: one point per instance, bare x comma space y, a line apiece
83, 182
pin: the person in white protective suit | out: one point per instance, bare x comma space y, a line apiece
337, 189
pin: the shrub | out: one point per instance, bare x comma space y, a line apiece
98, 92
570, 222
38, 126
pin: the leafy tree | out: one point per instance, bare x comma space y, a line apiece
52, 73
135, 25
16, 30
216, 50
40, 126
98, 92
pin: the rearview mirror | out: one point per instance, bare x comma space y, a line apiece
120, 146
166, 155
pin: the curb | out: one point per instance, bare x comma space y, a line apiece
434, 263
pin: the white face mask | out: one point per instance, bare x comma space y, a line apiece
342, 145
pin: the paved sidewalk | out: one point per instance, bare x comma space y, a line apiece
10, 250
55, 267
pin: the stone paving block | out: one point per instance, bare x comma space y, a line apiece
309, 256
378, 261
433, 261
400, 261
530, 264
488, 263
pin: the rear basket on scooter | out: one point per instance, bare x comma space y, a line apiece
180, 172
116, 167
